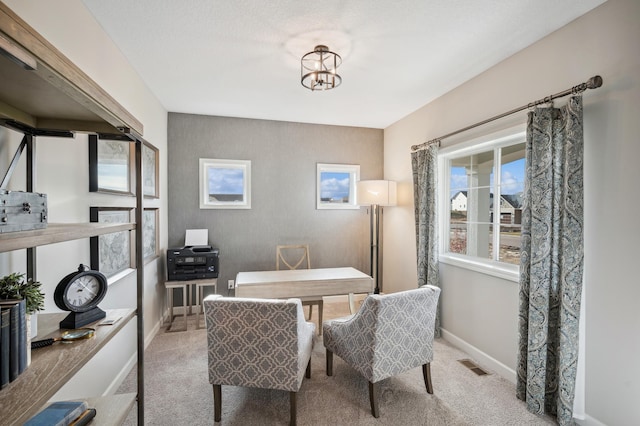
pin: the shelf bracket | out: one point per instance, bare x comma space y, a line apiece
13, 164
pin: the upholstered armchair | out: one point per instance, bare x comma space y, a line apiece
389, 335
260, 343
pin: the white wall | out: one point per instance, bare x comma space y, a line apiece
63, 170
481, 310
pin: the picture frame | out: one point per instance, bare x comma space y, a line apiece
112, 253
150, 235
111, 168
225, 184
336, 186
150, 169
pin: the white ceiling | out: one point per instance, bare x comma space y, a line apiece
241, 58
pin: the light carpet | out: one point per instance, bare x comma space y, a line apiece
177, 392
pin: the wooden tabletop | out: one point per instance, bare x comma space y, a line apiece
302, 282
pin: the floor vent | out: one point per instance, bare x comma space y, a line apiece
473, 367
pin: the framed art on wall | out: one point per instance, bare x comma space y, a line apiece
110, 165
150, 234
336, 186
112, 253
225, 184
150, 167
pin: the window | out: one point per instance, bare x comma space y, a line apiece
481, 202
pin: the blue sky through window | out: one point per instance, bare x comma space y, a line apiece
512, 177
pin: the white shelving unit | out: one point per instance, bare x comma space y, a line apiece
42, 93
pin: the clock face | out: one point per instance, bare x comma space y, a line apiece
80, 291
83, 291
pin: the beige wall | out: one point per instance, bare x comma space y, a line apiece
480, 310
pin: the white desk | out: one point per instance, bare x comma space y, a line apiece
303, 283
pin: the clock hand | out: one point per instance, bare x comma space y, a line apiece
93, 293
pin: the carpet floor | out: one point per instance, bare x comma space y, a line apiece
177, 391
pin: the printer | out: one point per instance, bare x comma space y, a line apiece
192, 263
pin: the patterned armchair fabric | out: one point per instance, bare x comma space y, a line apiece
390, 334
261, 343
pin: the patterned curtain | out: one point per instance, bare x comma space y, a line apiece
425, 170
551, 261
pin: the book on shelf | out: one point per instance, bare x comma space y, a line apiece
61, 413
85, 418
4, 347
17, 336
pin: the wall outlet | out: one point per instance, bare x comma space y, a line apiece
231, 284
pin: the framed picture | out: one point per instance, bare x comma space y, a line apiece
112, 253
336, 186
150, 234
150, 167
225, 184
111, 165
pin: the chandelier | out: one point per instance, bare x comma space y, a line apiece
319, 69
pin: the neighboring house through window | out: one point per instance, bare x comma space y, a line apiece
477, 231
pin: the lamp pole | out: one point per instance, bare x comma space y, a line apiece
376, 194
376, 246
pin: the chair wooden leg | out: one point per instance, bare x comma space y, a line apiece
426, 372
217, 402
310, 312
292, 408
308, 372
329, 358
373, 398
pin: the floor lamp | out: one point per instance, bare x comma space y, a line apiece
376, 194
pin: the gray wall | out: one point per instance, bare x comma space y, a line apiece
283, 190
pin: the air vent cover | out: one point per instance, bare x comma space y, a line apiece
473, 367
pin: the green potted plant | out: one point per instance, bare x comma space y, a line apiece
14, 286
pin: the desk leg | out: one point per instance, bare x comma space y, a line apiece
186, 300
199, 293
170, 301
352, 304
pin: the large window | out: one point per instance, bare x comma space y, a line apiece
481, 205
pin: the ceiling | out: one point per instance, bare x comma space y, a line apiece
241, 58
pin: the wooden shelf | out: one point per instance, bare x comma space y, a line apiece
58, 233
43, 89
43, 93
53, 366
111, 410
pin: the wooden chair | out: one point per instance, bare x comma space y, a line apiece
296, 256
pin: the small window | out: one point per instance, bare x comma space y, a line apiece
481, 205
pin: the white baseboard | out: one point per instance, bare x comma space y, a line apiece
588, 421
481, 357
131, 362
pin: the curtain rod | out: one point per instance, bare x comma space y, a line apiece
593, 83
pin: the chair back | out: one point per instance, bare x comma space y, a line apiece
405, 319
292, 256
256, 342
390, 333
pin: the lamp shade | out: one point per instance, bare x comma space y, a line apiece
380, 192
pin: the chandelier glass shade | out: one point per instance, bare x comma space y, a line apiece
319, 69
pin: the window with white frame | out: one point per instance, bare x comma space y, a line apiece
481, 201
